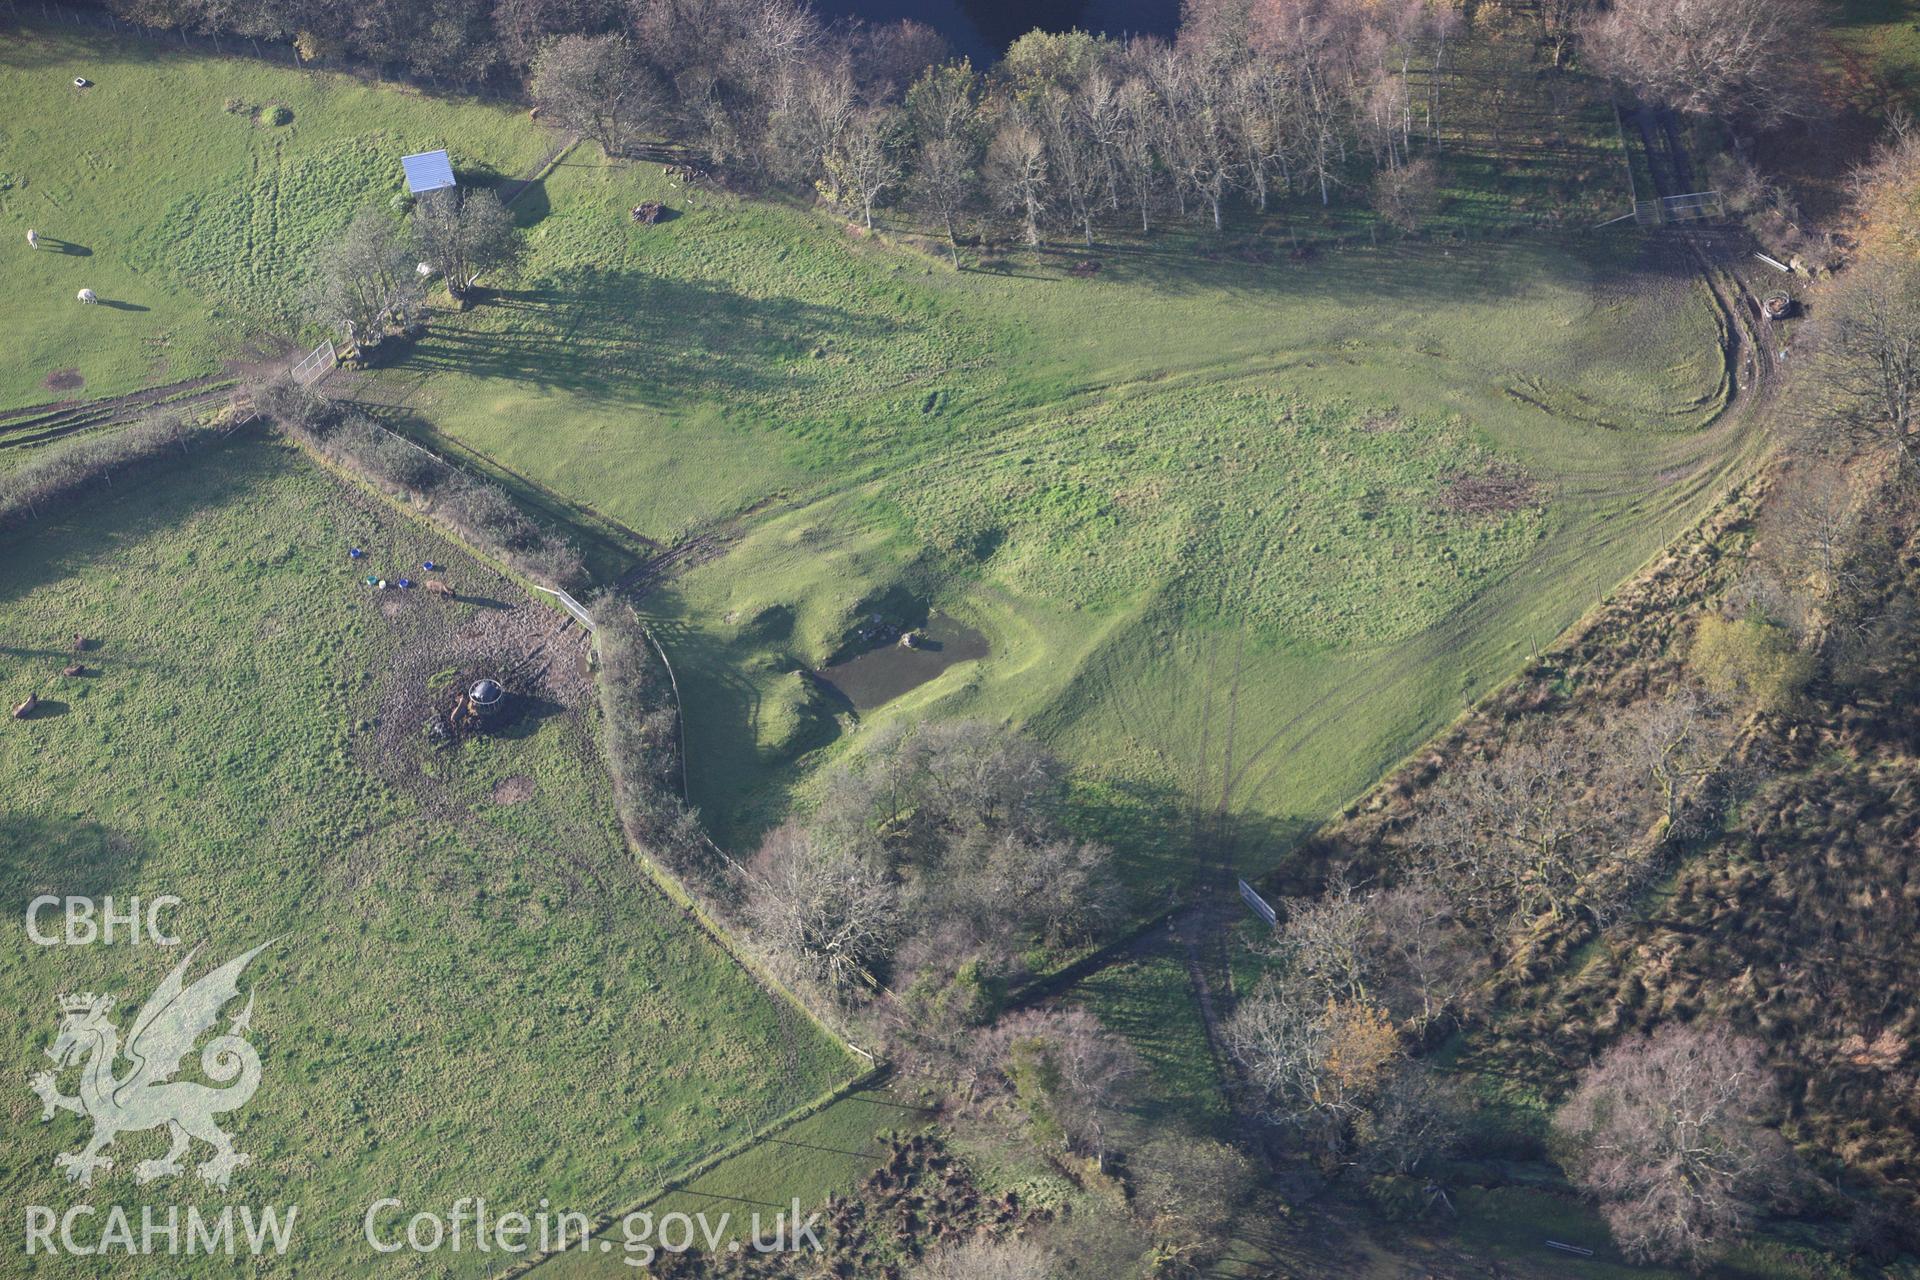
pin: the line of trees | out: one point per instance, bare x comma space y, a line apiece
1257, 98
1254, 99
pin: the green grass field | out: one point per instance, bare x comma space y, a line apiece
466, 997
1148, 999
1196, 502
825, 1153
1201, 504
1879, 43
166, 190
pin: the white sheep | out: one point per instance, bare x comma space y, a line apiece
33, 241
86, 296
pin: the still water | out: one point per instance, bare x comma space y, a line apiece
982, 29
884, 673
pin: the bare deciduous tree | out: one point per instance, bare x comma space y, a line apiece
944, 108
1319, 48
1062, 889
525, 26
824, 909
1524, 834
1560, 25
1882, 190
987, 1259
775, 38
462, 233
1135, 145
1197, 143
1416, 1115
863, 163
364, 281
1710, 57
1674, 741
1818, 528
1189, 1189
943, 185
1068, 1072
1076, 167
817, 116
974, 774
1671, 1134
1017, 175
1870, 364
1259, 119
596, 86
1316, 1065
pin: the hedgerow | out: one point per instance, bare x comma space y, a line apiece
640, 732
479, 513
64, 471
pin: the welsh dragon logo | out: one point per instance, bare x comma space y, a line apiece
141, 1093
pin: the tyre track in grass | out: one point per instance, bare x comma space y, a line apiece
1202, 930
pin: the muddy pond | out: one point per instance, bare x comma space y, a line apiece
883, 673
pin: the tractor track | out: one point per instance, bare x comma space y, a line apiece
1201, 928
43, 423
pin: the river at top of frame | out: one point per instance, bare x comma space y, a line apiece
982, 29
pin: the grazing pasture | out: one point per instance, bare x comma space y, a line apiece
1206, 504
1109, 477
1240, 520
473, 990
169, 190
1879, 52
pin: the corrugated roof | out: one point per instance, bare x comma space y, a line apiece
428, 171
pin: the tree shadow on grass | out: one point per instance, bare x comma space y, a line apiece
100, 521
40, 854
530, 204
628, 335
741, 793
1166, 846
1418, 273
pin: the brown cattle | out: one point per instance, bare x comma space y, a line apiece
25, 709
